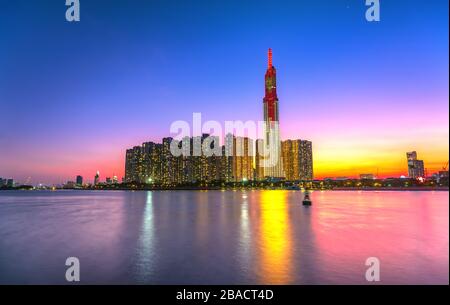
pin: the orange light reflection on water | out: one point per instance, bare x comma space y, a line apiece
275, 238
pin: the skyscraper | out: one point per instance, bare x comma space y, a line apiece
229, 157
259, 160
415, 167
134, 165
273, 166
306, 160
297, 159
97, 178
79, 180
243, 159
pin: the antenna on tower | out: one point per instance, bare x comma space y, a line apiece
270, 58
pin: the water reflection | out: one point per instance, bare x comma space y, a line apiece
275, 238
244, 235
145, 263
260, 237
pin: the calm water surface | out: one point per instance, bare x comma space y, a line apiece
230, 237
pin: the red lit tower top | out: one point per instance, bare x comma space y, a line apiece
270, 98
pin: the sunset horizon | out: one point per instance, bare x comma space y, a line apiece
364, 96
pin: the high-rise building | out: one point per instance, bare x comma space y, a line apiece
415, 167
306, 160
168, 169
229, 157
243, 159
259, 159
151, 162
134, 165
273, 166
79, 180
129, 166
10, 182
297, 159
97, 178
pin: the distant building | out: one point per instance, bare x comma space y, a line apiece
97, 178
115, 180
366, 176
10, 182
69, 185
415, 167
108, 180
443, 174
79, 180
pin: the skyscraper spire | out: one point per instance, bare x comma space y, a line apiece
270, 58
272, 162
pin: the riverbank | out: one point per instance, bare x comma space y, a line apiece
370, 189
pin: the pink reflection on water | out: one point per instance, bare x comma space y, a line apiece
407, 231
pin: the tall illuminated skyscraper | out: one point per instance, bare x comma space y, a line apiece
415, 167
273, 166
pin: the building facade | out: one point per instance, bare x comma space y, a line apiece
201, 159
297, 160
416, 167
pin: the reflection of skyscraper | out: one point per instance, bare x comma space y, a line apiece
272, 162
415, 167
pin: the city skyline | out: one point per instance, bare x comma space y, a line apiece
363, 101
243, 155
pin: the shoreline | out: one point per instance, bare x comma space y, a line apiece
367, 189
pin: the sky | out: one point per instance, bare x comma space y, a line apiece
74, 96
